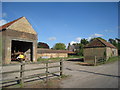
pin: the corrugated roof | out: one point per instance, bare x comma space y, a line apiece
99, 43
40, 50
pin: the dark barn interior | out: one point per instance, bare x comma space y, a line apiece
21, 46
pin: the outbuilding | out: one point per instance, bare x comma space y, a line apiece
49, 53
99, 49
18, 36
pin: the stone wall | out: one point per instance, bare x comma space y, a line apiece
7, 42
90, 53
52, 55
103, 52
111, 52
22, 25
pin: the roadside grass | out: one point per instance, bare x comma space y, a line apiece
113, 59
110, 60
48, 59
55, 59
64, 76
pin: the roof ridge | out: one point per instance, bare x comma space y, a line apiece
101, 41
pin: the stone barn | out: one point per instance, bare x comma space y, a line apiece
18, 36
100, 49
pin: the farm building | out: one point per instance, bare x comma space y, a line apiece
43, 45
18, 36
100, 49
49, 53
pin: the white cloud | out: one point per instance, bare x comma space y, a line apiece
72, 42
52, 38
89, 38
66, 45
2, 22
78, 39
96, 35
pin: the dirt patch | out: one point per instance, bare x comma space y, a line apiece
52, 83
85, 64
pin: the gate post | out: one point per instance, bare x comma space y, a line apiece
22, 68
61, 67
95, 61
46, 71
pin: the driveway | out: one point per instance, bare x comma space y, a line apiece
103, 76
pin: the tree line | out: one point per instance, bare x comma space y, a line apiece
79, 46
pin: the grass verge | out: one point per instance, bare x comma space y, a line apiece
47, 59
110, 60
113, 59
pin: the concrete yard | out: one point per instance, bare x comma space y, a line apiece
103, 76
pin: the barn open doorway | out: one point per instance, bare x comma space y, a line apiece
21, 46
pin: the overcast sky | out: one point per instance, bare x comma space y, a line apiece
66, 21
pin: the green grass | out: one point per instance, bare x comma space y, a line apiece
113, 59
110, 60
74, 56
47, 59
64, 76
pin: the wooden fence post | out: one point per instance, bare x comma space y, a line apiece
46, 71
95, 61
61, 67
22, 68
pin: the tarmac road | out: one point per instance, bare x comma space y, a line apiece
102, 76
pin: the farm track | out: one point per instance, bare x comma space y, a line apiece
102, 76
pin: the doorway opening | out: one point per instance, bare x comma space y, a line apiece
21, 46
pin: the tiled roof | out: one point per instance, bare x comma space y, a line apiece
8, 24
43, 45
99, 43
21, 24
40, 50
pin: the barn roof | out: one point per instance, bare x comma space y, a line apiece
99, 43
21, 24
41, 50
43, 45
